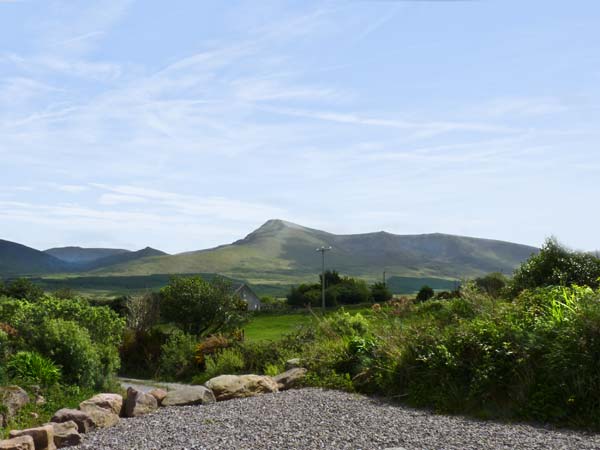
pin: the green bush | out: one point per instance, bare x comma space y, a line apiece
177, 358
424, 294
70, 346
554, 265
33, 368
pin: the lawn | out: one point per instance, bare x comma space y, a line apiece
269, 326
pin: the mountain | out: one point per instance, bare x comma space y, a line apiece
80, 255
284, 252
123, 258
20, 259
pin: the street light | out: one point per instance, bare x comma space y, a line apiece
323, 249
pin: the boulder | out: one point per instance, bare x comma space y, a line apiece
82, 420
65, 434
292, 363
226, 387
111, 402
43, 437
192, 395
103, 409
19, 443
12, 399
290, 378
159, 395
139, 403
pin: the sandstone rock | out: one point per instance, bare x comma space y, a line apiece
12, 399
290, 378
43, 437
66, 434
226, 387
111, 402
139, 403
19, 443
82, 420
159, 395
192, 395
103, 409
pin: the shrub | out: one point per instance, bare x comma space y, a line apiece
70, 346
492, 284
177, 358
380, 293
200, 307
424, 294
227, 362
33, 368
554, 265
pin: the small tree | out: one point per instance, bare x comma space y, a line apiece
142, 311
424, 294
492, 283
200, 307
23, 288
380, 292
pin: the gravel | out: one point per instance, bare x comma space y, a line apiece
320, 419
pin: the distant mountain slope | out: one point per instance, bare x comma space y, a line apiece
19, 259
80, 255
124, 257
281, 251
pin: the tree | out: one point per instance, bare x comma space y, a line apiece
555, 265
332, 277
23, 288
380, 292
424, 294
492, 283
202, 307
142, 311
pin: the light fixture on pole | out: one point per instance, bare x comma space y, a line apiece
323, 249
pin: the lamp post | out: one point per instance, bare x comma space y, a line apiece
323, 249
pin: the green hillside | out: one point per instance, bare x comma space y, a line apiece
20, 259
283, 252
81, 255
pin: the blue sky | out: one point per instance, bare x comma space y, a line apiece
183, 125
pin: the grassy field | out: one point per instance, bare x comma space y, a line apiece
270, 326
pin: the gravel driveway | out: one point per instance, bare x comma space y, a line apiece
319, 419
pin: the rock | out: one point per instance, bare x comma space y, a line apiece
111, 402
159, 395
12, 399
226, 387
19, 443
290, 378
82, 420
66, 434
192, 395
103, 409
292, 363
43, 437
39, 400
139, 403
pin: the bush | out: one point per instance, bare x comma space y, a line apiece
70, 346
200, 307
227, 362
492, 284
33, 368
177, 358
380, 292
424, 294
554, 265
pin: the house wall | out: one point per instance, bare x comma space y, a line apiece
251, 298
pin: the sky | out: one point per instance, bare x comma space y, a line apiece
187, 124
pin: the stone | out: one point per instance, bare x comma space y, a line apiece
18, 443
226, 387
292, 363
82, 420
103, 409
12, 399
159, 395
43, 437
66, 434
139, 403
111, 402
290, 378
192, 395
